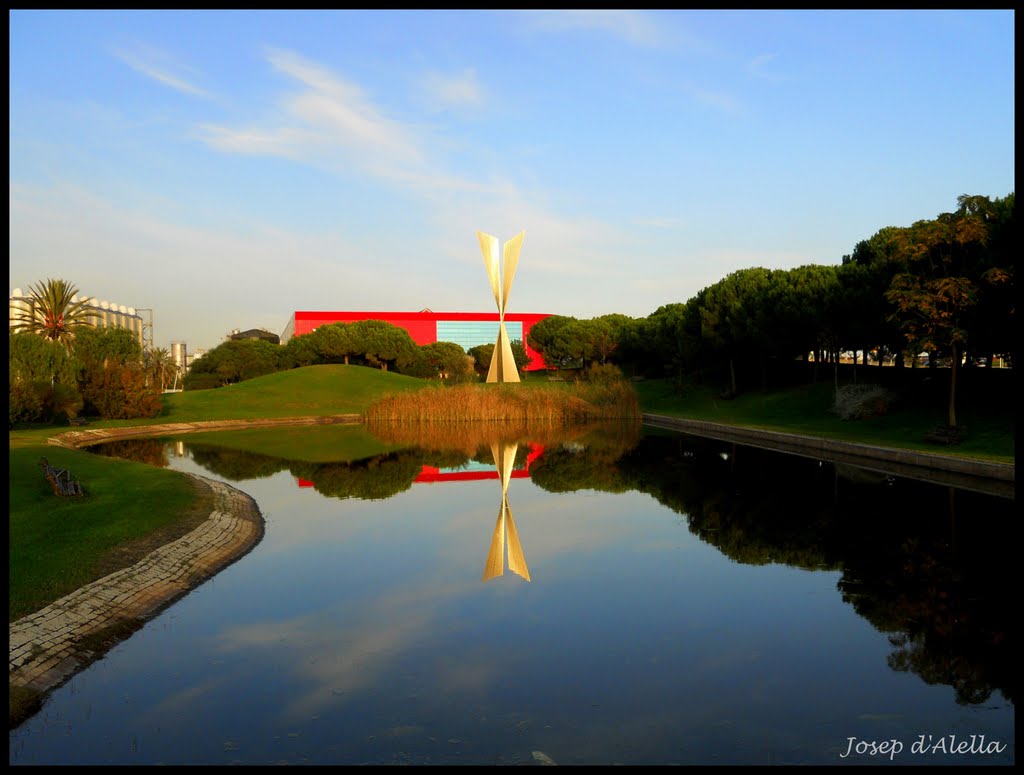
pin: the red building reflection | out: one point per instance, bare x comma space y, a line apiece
431, 474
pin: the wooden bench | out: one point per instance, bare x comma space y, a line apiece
60, 479
947, 434
77, 421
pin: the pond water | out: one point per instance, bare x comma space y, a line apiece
626, 596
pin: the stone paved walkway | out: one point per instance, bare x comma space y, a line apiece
45, 647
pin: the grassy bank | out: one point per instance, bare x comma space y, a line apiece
807, 410
59, 544
314, 391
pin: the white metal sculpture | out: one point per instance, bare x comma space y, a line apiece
503, 364
505, 528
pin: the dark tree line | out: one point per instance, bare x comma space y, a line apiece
943, 286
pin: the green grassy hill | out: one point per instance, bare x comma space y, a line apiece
309, 391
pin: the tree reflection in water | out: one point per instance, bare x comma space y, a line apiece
927, 565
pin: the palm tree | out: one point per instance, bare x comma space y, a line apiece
162, 365
53, 314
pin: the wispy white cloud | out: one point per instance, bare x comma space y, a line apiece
720, 101
284, 141
634, 27
758, 65
340, 109
334, 125
462, 90
642, 29
331, 122
143, 62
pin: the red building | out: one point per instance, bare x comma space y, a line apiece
466, 329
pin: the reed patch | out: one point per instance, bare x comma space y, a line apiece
557, 405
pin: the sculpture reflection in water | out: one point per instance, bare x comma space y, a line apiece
505, 533
939, 585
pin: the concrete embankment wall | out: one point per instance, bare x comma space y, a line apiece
966, 473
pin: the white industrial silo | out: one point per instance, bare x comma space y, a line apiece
179, 353
134, 322
19, 306
93, 307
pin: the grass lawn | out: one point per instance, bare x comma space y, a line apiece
310, 391
806, 410
58, 544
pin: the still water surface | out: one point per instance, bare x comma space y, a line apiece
624, 597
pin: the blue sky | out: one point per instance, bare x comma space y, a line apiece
227, 168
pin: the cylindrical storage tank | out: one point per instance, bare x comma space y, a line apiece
84, 301
19, 306
133, 323
179, 353
92, 306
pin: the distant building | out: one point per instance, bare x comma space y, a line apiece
466, 329
180, 356
255, 333
104, 314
